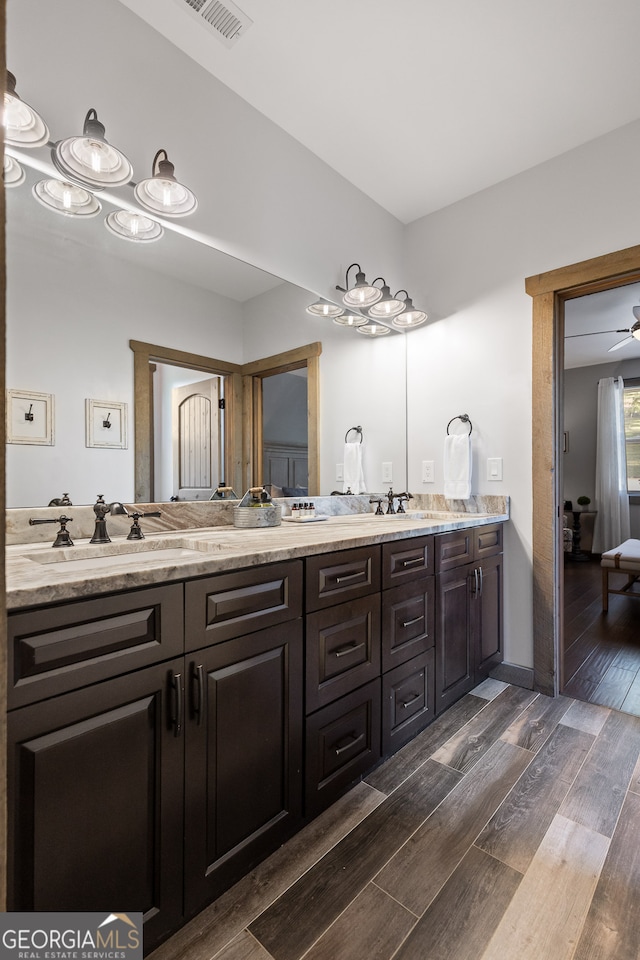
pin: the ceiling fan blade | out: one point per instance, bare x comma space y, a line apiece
595, 333
619, 344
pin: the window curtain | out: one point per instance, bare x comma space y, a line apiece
612, 500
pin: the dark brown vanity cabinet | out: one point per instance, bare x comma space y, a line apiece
343, 657
469, 585
408, 681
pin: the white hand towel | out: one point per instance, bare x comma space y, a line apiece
353, 473
457, 466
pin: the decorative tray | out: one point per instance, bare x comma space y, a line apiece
304, 519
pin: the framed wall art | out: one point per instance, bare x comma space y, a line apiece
30, 417
106, 424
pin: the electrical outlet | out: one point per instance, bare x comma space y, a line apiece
494, 468
387, 472
428, 471
339, 471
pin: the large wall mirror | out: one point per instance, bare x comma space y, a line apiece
77, 295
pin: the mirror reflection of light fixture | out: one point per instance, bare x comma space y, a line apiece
66, 198
349, 319
130, 225
23, 126
410, 316
324, 308
387, 306
12, 173
362, 294
161, 193
89, 159
374, 330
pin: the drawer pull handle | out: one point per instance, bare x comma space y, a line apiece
350, 576
175, 680
410, 623
198, 706
410, 563
352, 743
343, 651
407, 703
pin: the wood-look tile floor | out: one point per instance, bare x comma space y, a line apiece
509, 829
602, 650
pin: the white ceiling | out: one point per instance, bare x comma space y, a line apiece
420, 103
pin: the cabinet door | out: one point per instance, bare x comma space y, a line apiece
487, 619
243, 756
454, 651
95, 800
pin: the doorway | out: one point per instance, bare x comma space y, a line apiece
550, 291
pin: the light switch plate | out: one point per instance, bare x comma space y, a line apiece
428, 471
494, 468
387, 472
339, 471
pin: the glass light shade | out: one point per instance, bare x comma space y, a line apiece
324, 308
635, 330
133, 226
636, 312
66, 198
12, 172
350, 320
374, 330
410, 317
387, 306
362, 294
23, 126
89, 159
161, 193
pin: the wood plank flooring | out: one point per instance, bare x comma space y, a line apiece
508, 830
602, 650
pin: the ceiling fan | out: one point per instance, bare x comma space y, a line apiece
634, 332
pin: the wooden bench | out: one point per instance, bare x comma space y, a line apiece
622, 559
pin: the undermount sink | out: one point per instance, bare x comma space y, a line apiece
442, 515
128, 551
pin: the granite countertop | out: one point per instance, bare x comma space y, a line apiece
38, 574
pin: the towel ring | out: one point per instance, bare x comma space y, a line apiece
465, 419
357, 429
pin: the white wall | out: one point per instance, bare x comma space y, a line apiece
475, 357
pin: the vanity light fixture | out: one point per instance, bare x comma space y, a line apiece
410, 316
129, 225
349, 319
161, 193
362, 294
23, 126
66, 198
89, 159
387, 306
12, 173
374, 330
324, 308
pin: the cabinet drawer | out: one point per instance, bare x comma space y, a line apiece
458, 547
343, 743
408, 697
407, 621
406, 560
488, 541
231, 604
343, 649
56, 649
345, 575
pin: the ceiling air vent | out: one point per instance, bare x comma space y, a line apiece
225, 20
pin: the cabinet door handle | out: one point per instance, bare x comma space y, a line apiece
198, 705
349, 576
481, 579
352, 743
407, 703
410, 623
343, 651
176, 703
410, 563
475, 583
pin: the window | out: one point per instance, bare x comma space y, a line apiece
632, 432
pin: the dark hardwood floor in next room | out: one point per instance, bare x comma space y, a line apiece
509, 829
602, 650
